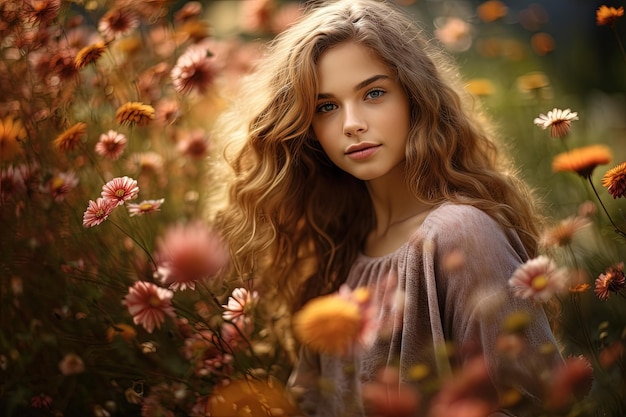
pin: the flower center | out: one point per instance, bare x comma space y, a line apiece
154, 301
120, 193
145, 206
539, 282
57, 183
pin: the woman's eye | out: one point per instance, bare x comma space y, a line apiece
377, 93
325, 108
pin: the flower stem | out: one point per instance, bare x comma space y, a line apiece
141, 245
617, 229
619, 40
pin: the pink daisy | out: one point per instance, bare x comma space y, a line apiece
120, 189
11, 183
146, 206
61, 184
195, 144
117, 22
194, 70
97, 212
239, 303
111, 145
188, 253
149, 304
538, 279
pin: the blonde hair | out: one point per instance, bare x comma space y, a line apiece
296, 221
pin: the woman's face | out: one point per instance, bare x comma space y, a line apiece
362, 116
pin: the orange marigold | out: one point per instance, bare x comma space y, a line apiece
491, 10
12, 132
89, 54
608, 15
615, 180
134, 113
582, 160
69, 139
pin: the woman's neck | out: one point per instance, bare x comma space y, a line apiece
397, 212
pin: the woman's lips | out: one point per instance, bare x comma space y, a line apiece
361, 151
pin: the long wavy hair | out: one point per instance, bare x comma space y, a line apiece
296, 221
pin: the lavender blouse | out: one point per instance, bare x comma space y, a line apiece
448, 283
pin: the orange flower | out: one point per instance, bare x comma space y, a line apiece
582, 160
134, 113
608, 15
332, 323
12, 132
89, 54
250, 397
69, 139
122, 330
615, 180
563, 233
542, 43
579, 288
491, 10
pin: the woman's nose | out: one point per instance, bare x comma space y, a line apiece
354, 123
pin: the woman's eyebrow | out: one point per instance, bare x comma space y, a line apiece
359, 86
370, 80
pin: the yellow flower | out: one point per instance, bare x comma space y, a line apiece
12, 132
329, 324
582, 160
69, 139
532, 81
89, 54
134, 113
480, 87
608, 15
615, 180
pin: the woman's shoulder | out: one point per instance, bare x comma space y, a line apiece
454, 224
458, 218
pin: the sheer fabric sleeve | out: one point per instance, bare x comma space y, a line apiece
475, 301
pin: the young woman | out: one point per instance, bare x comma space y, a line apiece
361, 161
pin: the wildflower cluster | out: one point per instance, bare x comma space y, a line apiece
113, 301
